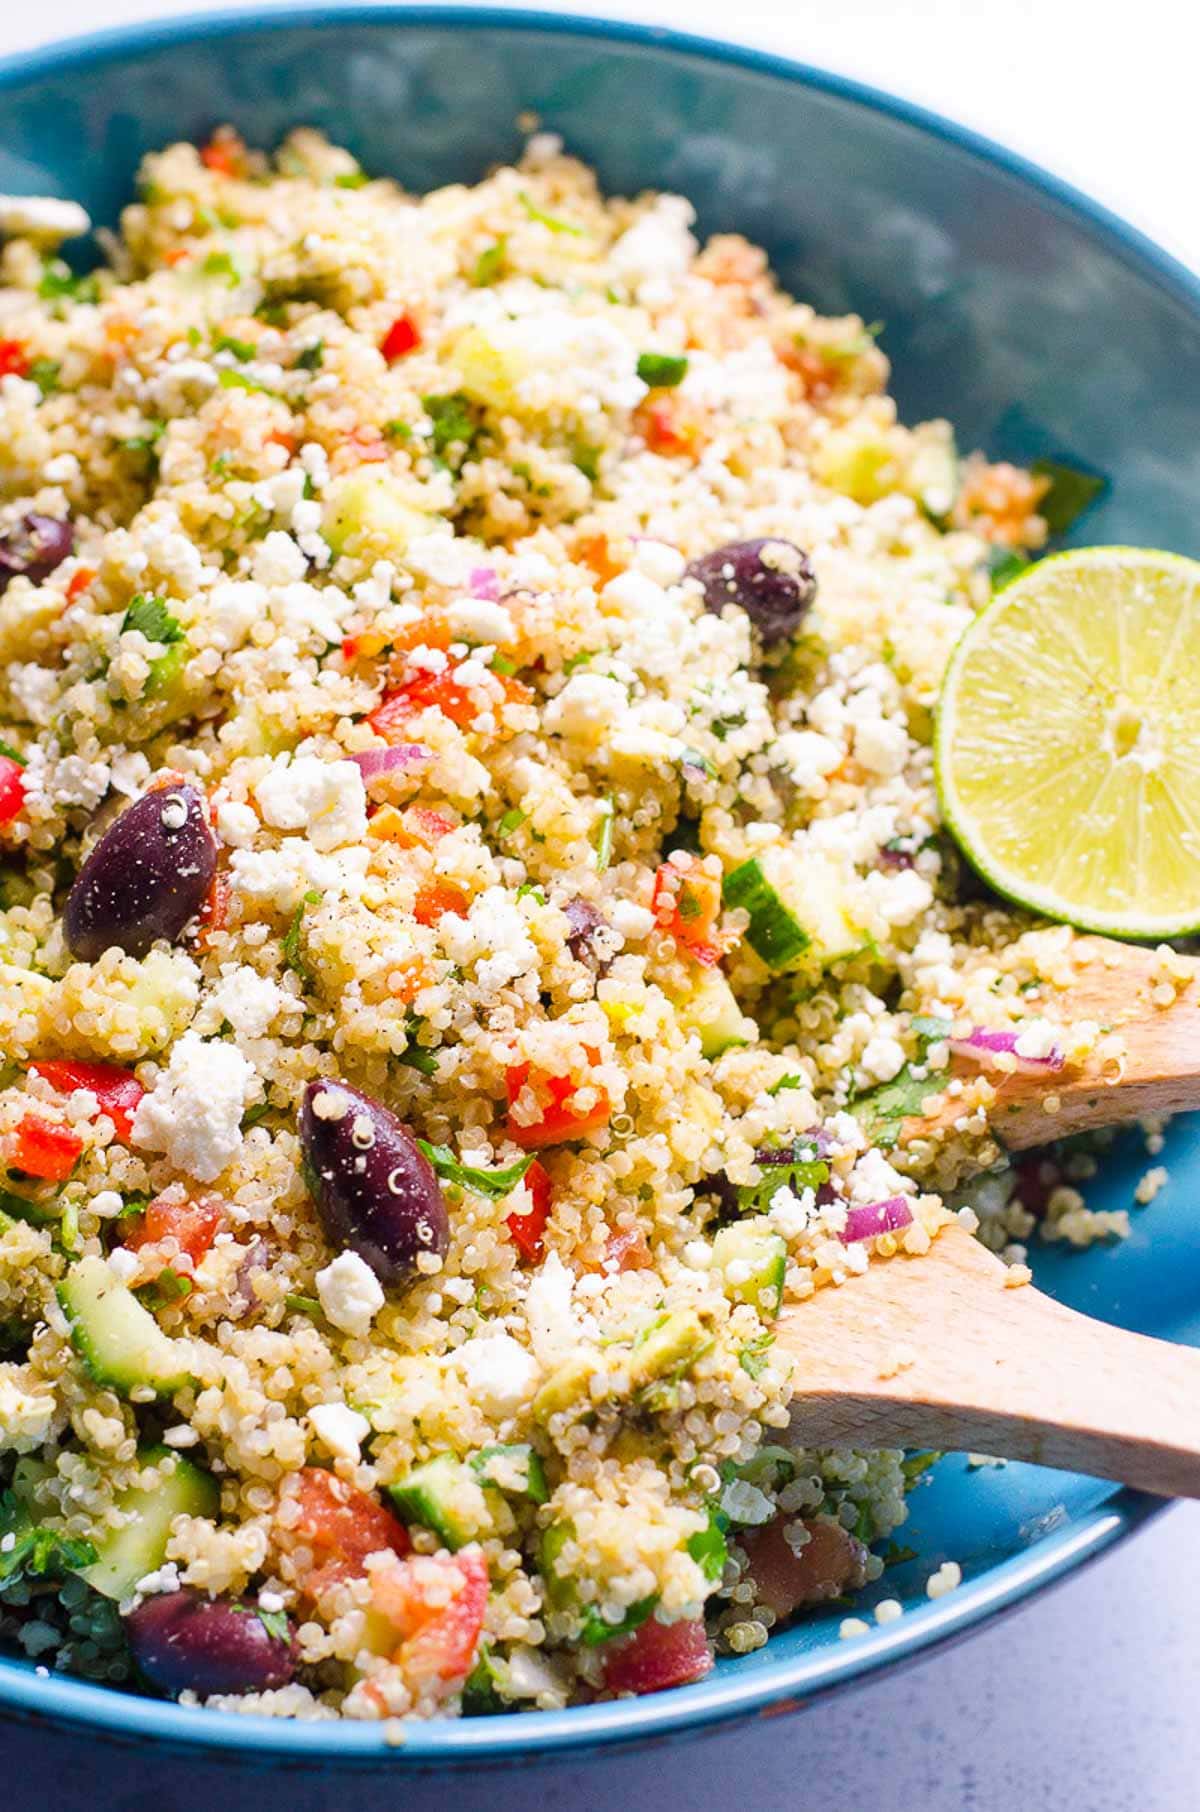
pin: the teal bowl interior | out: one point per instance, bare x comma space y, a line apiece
1037, 323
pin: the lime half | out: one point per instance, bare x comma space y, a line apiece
1068, 741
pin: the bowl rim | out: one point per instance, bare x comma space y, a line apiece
768, 1688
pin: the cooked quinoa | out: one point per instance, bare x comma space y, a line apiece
523, 625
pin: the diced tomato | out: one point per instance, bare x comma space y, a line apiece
224, 154
658, 1655
177, 254
14, 360
626, 1249
666, 426
118, 1091
561, 1120
342, 1526
279, 437
435, 900
361, 646
43, 1148
830, 1562
193, 1225
79, 581
687, 903
439, 1636
12, 789
527, 1231
441, 690
403, 336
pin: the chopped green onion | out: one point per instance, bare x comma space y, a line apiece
490, 263
241, 349
12, 754
221, 264
551, 221
291, 943
240, 380
603, 833
304, 1305
511, 821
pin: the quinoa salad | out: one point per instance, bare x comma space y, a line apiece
475, 925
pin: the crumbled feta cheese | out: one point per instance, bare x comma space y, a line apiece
230, 610
632, 920
284, 875
1036, 1038
549, 1310
883, 1057
658, 560
194, 1111
807, 757
325, 799
790, 1213
308, 615
277, 560
658, 245
350, 1294
881, 745
237, 823
26, 1409
250, 1002
499, 1371
493, 936
587, 709
123, 1264
340, 1428
480, 620
874, 1180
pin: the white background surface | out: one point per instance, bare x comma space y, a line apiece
1086, 1701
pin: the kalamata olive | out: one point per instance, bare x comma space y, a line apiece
584, 921
185, 1642
772, 580
34, 546
148, 875
375, 1189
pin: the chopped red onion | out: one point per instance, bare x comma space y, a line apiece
484, 582
878, 1217
985, 1047
401, 758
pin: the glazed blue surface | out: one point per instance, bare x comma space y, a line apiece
1039, 324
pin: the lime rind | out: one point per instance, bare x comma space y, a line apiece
1032, 725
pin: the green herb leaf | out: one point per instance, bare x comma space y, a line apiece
1072, 491
586, 459
351, 179
551, 221
801, 1170
312, 357
12, 754
36, 1552
397, 430
168, 1287
753, 1357
510, 822
275, 1623
240, 380
455, 423
241, 349
44, 373
221, 264
882, 1111
914, 1464
304, 1305
662, 370
253, 1116
291, 943
595, 1630
580, 660
1004, 566
151, 617
479, 1696
496, 1183
60, 283
786, 1082
708, 1547
490, 263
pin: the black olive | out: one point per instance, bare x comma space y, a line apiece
148, 875
376, 1191
184, 1642
772, 580
34, 546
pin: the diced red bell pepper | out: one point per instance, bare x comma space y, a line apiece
658, 1655
560, 1121
225, 154
830, 1562
12, 789
527, 1231
79, 581
687, 903
665, 427
214, 912
341, 1526
403, 336
435, 900
193, 1225
440, 1636
43, 1148
627, 1250
460, 704
14, 359
118, 1091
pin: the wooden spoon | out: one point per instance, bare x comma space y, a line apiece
1114, 984
940, 1351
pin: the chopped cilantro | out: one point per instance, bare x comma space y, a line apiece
595, 1630
241, 380
60, 283
11, 754
275, 1623
152, 619
44, 373
786, 1082
291, 943
35, 1552
882, 1111
221, 264
241, 349
753, 1357
312, 357
511, 821
708, 1547
454, 422
798, 1168
662, 370
396, 430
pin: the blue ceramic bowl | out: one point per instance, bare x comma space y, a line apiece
1036, 322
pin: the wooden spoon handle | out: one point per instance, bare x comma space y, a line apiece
938, 1351
1115, 985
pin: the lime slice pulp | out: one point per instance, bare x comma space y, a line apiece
1067, 747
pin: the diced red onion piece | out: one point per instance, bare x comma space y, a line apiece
876, 1218
984, 1047
401, 758
483, 582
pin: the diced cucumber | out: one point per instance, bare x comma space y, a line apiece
797, 919
444, 1495
560, 1591
753, 1263
515, 1468
712, 1011
568, 1383
364, 514
140, 1546
118, 1340
669, 1349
